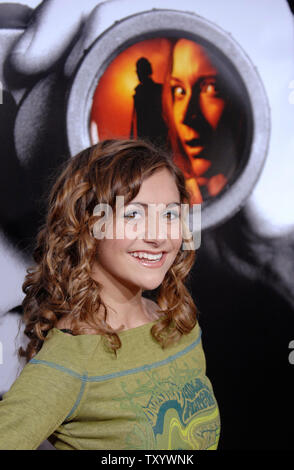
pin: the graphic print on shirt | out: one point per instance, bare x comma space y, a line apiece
181, 410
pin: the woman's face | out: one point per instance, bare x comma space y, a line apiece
197, 102
118, 262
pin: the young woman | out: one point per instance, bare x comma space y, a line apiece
109, 368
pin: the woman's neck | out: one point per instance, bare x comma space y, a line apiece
146, 312
131, 314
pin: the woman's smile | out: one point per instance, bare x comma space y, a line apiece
149, 259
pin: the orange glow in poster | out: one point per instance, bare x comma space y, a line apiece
113, 99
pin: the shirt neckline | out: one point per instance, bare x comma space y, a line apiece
129, 331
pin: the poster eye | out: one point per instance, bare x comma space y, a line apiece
178, 92
210, 87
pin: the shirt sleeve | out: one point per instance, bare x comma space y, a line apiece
40, 399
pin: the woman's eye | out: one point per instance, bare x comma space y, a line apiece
178, 92
171, 215
210, 88
133, 215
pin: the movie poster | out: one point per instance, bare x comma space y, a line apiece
182, 95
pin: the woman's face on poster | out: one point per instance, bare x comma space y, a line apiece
197, 101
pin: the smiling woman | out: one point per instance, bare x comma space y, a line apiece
141, 247
108, 368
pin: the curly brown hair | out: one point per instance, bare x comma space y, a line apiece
60, 285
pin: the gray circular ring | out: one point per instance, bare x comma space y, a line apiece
157, 22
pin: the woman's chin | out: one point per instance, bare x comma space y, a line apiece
200, 165
151, 284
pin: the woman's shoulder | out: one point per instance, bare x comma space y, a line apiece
65, 350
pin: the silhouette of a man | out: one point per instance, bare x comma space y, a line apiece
147, 121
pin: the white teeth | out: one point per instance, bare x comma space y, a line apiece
141, 254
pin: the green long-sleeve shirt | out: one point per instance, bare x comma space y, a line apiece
78, 395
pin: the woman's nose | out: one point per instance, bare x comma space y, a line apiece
193, 110
155, 228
